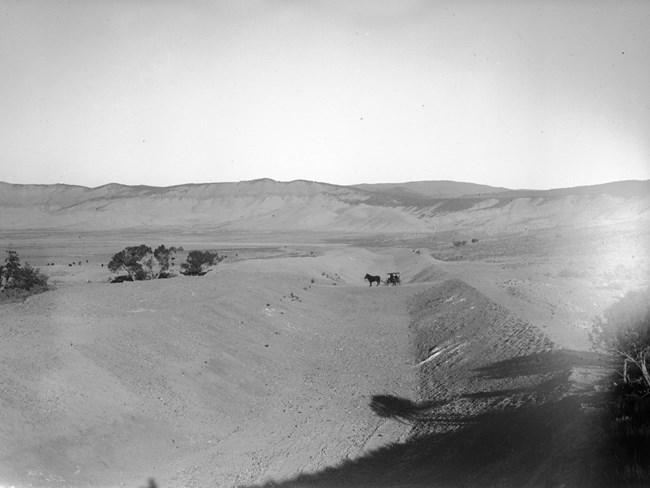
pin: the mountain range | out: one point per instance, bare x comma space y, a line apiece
267, 205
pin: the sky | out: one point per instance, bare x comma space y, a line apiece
518, 94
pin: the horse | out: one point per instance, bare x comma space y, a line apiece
371, 279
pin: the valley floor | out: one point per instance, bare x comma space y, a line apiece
283, 368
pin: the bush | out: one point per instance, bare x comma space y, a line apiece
459, 243
15, 276
198, 262
624, 333
141, 263
164, 258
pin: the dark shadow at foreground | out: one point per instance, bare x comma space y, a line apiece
562, 442
506, 449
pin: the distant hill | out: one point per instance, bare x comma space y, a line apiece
266, 205
628, 188
431, 189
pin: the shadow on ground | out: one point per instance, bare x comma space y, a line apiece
557, 361
401, 409
560, 441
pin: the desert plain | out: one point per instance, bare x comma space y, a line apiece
282, 367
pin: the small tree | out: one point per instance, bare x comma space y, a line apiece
198, 262
132, 260
13, 275
141, 263
163, 257
624, 332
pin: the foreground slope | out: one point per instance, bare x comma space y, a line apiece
213, 381
289, 372
498, 404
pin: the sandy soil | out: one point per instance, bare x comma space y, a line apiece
283, 368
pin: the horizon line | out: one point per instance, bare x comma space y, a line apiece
300, 180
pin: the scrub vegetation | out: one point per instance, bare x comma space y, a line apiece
624, 332
17, 280
198, 263
143, 263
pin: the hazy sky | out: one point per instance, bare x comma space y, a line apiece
520, 93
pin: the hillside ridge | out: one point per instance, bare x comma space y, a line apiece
300, 205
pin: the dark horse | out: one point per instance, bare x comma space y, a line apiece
372, 279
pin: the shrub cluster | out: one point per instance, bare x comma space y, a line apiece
198, 262
624, 332
461, 243
141, 263
16, 276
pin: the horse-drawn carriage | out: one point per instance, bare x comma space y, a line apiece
393, 278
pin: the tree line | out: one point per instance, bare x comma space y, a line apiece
143, 263
19, 280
